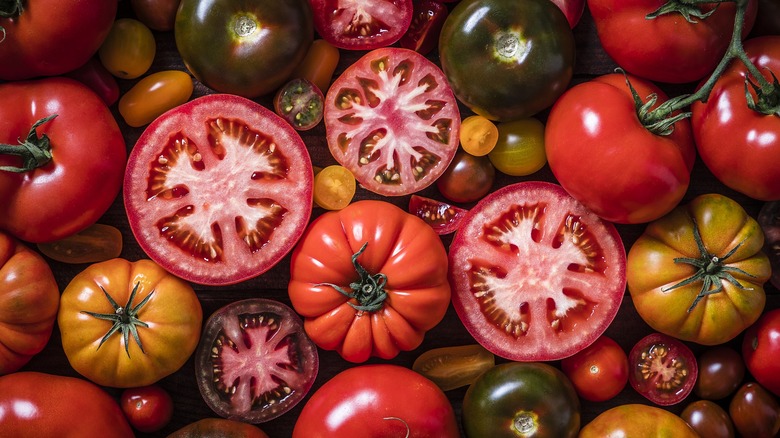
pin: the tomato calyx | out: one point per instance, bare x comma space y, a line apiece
369, 291
689, 10
35, 151
711, 270
768, 99
124, 318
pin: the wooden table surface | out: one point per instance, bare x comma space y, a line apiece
627, 328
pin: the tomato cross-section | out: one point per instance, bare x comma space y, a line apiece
535, 275
218, 190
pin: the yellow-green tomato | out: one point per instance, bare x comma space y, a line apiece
128, 50
153, 95
519, 150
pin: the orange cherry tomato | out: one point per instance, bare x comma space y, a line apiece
319, 64
128, 50
478, 135
334, 187
154, 95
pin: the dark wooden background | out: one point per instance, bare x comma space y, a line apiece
189, 406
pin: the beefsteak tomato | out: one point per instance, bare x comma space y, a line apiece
218, 190
51, 37
38, 405
392, 120
127, 324
671, 47
697, 274
535, 275
29, 299
53, 132
369, 280
362, 24
637, 421
378, 401
602, 154
740, 145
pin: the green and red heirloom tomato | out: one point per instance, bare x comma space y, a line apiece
96, 243
454, 367
535, 275
740, 145
521, 399
441, 216
467, 179
369, 280
600, 371
53, 132
248, 49
218, 427
51, 37
255, 361
127, 324
300, 103
721, 370
159, 15
708, 419
147, 408
129, 49
697, 274
769, 219
218, 190
637, 421
761, 348
153, 95
38, 405
379, 400
392, 120
670, 47
602, 154
519, 150
663, 369
362, 24
755, 412
29, 298
507, 60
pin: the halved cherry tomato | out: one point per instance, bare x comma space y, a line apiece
300, 103
154, 95
319, 64
427, 20
334, 187
478, 135
444, 218
128, 50
454, 367
663, 369
96, 243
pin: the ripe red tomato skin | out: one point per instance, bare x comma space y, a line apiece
147, 408
55, 201
572, 9
612, 370
741, 147
41, 42
645, 176
427, 21
65, 407
761, 348
678, 51
401, 401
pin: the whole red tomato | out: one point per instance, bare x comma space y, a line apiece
369, 280
602, 154
600, 371
740, 145
377, 400
71, 169
669, 47
761, 348
147, 408
29, 298
38, 405
51, 37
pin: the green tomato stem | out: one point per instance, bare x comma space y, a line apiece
9, 9
35, 151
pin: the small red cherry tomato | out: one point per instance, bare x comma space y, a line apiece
147, 408
599, 372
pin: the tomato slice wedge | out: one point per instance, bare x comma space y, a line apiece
218, 190
535, 275
361, 24
444, 218
393, 121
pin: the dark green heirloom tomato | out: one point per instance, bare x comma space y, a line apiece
507, 60
244, 48
521, 399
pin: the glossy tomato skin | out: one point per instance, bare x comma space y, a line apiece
496, 275
377, 400
40, 42
221, 427
679, 311
721, 370
423, 33
521, 399
708, 419
454, 367
153, 95
411, 299
600, 371
755, 411
760, 349
602, 155
362, 25
56, 200
637, 421
667, 48
158, 15
96, 243
29, 299
58, 406
172, 315
507, 60
467, 178
740, 146
244, 49
129, 49
573, 10
147, 408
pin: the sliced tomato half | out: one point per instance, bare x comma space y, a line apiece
218, 190
361, 24
535, 275
393, 121
444, 218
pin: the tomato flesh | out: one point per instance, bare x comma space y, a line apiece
663, 369
423, 33
362, 24
444, 218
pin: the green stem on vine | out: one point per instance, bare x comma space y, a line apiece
35, 151
368, 290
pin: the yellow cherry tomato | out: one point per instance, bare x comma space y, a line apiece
128, 50
478, 135
334, 187
520, 147
154, 95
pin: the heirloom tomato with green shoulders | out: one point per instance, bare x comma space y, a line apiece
637, 421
